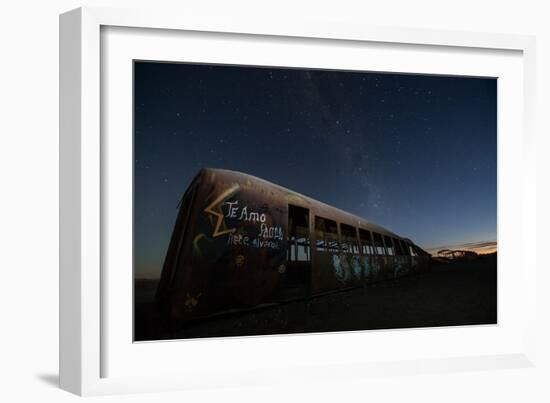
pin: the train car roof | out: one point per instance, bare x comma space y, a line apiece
334, 212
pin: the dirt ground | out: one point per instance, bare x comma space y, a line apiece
458, 293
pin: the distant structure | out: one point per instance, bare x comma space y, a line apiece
449, 254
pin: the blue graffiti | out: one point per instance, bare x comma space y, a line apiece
356, 267
339, 269
367, 267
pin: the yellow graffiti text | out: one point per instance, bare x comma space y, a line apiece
215, 210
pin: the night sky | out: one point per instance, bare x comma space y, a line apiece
413, 153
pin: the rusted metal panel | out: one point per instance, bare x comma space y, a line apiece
237, 249
402, 266
323, 276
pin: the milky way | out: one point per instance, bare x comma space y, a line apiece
413, 153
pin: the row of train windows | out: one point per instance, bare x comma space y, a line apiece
362, 242
353, 241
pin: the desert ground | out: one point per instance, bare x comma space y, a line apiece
452, 294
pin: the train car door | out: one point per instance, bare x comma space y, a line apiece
297, 277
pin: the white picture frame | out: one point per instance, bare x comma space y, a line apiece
89, 337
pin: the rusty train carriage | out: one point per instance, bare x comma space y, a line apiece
240, 241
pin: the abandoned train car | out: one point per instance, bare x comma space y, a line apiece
240, 241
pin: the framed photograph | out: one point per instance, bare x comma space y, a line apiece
244, 202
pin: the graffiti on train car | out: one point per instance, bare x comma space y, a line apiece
353, 269
367, 266
339, 268
241, 213
356, 267
214, 209
252, 228
251, 242
348, 268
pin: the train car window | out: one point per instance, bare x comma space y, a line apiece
397, 244
389, 245
326, 232
378, 244
418, 251
412, 250
404, 248
349, 239
367, 248
298, 234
